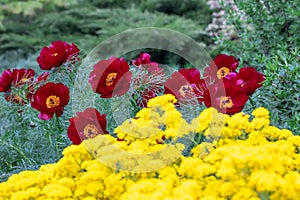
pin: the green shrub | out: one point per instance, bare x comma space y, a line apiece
280, 93
263, 28
196, 10
268, 39
86, 27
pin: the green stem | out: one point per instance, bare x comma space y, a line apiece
133, 103
251, 101
58, 124
115, 108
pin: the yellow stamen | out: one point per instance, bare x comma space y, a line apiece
110, 78
185, 89
15, 98
222, 72
55, 54
23, 80
52, 101
90, 131
226, 102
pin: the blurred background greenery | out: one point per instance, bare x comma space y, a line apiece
27, 26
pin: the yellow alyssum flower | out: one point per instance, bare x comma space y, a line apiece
228, 157
261, 113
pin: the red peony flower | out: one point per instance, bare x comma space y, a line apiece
22, 76
185, 83
6, 80
49, 99
251, 79
56, 54
233, 101
110, 77
19, 81
144, 60
72, 52
87, 124
220, 67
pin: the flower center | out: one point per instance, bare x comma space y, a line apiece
185, 89
23, 80
110, 79
13, 98
226, 102
55, 54
17, 98
222, 72
90, 131
52, 101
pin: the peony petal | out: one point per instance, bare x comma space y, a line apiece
45, 116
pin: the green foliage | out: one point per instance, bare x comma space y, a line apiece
268, 36
86, 27
280, 93
197, 10
89, 23
263, 27
29, 8
27, 142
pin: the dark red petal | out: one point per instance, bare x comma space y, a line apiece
6, 80
123, 84
73, 134
192, 75
99, 75
53, 56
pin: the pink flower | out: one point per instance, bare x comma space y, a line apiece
144, 61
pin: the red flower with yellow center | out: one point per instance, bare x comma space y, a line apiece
22, 76
19, 81
222, 72
110, 77
56, 54
220, 67
226, 96
49, 99
87, 124
184, 84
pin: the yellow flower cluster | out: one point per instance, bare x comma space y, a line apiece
233, 157
159, 121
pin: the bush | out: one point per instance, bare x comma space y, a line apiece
263, 27
281, 89
268, 36
196, 10
88, 26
